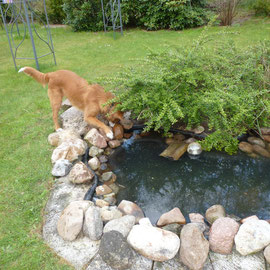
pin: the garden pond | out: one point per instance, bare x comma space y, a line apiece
238, 182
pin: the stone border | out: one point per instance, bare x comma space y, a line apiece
84, 241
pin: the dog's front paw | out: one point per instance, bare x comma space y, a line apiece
59, 130
110, 135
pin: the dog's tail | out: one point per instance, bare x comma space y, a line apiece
40, 77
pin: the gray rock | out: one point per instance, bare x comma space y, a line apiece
103, 159
70, 150
267, 254
70, 222
194, 247
93, 225
141, 263
114, 187
110, 198
153, 243
253, 236
101, 203
115, 251
173, 216
66, 104
94, 163
196, 218
54, 139
61, 167
73, 119
175, 228
131, 208
109, 213
103, 167
122, 225
235, 261
114, 143
222, 233
249, 218
106, 176
234, 217
63, 135
95, 138
95, 151
80, 251
145, 222
103, 190
80, 174
214, 212
138, 263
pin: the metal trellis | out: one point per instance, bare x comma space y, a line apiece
19, 18
112, 18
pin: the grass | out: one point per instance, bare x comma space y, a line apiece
25, 123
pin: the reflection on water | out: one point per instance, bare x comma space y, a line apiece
239, 183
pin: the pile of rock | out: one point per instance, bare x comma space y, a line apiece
70, 148
68, 152
256, 146
127, 240
101, 236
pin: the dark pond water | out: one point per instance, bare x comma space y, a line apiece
239, 183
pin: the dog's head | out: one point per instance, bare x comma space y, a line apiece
115, 116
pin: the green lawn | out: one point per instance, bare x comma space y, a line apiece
25, 123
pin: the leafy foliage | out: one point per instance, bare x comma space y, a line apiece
221, 85
153, 15
83, 15
55, 11
262, 7
165, 14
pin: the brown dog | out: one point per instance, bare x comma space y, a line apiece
87, 98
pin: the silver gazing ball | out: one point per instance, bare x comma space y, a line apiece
194, 149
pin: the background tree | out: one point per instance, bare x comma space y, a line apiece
227, 10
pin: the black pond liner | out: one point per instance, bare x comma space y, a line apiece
240, 183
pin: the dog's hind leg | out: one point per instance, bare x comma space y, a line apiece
55, 96
92, 120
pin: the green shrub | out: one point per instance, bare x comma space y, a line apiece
55, 11
262, 7
220, 85
83, 15
152, 15
165, 14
